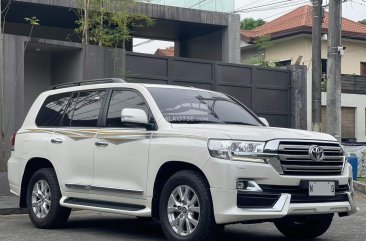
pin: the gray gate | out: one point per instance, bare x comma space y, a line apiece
266, 91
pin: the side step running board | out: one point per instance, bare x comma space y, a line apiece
104, 206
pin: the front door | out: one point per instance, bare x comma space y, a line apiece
121, 150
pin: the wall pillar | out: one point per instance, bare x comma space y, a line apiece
14, 88
231, 40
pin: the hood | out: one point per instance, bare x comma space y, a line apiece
253, 133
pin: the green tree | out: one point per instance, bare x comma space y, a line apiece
109, 23
251, 23
262, 43
362, 21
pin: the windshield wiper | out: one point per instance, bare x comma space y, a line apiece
240, 123
194, 122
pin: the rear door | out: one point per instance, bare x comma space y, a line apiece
72, 143
121, 151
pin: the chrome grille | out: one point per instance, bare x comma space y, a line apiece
295, 158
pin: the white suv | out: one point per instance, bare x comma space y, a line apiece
193, 159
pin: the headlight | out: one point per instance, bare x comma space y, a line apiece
251, 151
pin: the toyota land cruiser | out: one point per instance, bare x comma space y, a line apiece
193, 159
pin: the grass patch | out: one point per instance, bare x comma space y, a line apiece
361, 179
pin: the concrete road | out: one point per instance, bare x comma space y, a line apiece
89, 226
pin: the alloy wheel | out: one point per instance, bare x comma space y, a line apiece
41, 199
183, 210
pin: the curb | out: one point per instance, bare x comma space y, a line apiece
11, 211
359, 186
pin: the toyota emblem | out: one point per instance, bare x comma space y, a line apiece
316, 153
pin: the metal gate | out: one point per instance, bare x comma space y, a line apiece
264, 90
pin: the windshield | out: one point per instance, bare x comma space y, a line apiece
198, 106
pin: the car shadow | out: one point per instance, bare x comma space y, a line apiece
127, 228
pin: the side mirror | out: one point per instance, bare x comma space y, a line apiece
264, 121
135, 116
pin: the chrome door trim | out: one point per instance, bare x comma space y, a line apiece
104, 189
118, 190
77, 186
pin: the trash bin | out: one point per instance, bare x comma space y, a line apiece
353, 160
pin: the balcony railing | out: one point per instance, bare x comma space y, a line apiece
353, 84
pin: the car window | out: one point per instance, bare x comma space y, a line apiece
66, 121
52, 110
84, 109
195, 106
121, 99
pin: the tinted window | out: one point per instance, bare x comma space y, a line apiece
66, 121
52, 110
199, 106
84, 109
121, 99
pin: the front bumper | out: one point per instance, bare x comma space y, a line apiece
227, 211
223, 175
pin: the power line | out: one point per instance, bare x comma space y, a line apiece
271, 6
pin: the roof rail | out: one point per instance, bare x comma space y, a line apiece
88, 82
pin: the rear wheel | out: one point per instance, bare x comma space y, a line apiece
186, 211
43, 200
311, 226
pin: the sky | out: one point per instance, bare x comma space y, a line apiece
352, 9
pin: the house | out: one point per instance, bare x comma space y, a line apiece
167, 52
291, 43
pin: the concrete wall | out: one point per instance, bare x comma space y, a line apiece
62, 34
37, 77
231, 40
173, 24
202, 47
70, 61
13, 87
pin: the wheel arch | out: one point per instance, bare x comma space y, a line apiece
33, 165
167, 170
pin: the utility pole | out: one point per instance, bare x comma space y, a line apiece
334, 69
317, 65
2, 118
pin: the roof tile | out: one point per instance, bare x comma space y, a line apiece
300, 20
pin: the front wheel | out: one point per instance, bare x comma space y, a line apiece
43, 200
186, 211
311, 226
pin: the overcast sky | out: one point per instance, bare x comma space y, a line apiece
352, 9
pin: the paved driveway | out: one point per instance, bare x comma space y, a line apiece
89, 226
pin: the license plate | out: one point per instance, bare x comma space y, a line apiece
321, 188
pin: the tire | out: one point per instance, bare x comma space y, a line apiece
192, 217
311, 226
48, 213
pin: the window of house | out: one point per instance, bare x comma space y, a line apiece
84, 109
283, 63
52, 110
121, 99
363, 69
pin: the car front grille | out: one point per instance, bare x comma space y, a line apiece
295, 158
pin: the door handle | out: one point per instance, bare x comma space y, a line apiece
56, 141
101, 143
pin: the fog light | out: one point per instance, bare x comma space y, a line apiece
241, 184
247, 185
